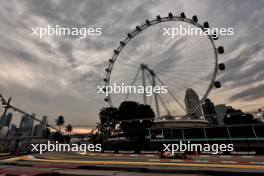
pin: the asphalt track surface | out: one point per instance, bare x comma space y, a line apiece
66, 163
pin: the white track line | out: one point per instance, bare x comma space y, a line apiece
229, 162
226, 156
176, 160
247, 156
133, 155
154, 159
259, 162
104, 154
204, 156
201, 161
118, 155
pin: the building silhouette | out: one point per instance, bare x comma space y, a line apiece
26, 126
209, 112
39, 129
192, 103
221, 110
5, 120
260, 115
13, 130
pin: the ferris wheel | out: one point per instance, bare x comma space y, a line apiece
148, 57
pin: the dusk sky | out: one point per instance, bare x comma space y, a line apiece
58, 75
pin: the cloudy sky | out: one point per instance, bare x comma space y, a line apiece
58, 75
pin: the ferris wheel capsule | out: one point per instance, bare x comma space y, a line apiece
220, 49
158, 18
148, 22
106, 100
170, 15
116, 51
122, 43
129, 35
183, 15
206, 25
195, 18
221, 66
217, 84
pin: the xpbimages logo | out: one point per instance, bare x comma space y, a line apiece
188, 147
131, 89
58, 147
189, 30
81, 32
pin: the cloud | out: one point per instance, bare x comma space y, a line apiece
246, 65
249, 94
59, 75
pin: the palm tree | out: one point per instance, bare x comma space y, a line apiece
60, 121
69, 128
108, 115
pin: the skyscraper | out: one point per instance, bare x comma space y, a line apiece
13, 131
5, 120
209, 111
39, 129
26, 126
192, 103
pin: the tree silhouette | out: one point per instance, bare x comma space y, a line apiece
135, 129
134, 120
60, 121
145, 111
108, 115
69, 128
128, 110
47, 133
234, 116
57, 136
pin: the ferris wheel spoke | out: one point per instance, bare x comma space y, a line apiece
181, 78
194, 64
118, 76
174, 97
174, 83
160, 98
170, 84
131, 64
191, 72
122, 81
180, 87
183, 90
164, 105
128, 64
195, 54
133, 82
134, 60
182, 75
190, 68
